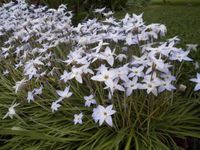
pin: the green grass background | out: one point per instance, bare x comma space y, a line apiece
176, 1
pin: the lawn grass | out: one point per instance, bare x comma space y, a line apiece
181, 20
176, 2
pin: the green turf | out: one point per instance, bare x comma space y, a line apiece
190, 2
183, 21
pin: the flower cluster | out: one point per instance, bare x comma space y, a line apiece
123, 55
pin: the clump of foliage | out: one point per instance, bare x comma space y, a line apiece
104, 84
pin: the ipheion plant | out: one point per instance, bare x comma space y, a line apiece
123, 55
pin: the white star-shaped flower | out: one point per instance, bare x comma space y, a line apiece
192, 47
65, 93
132, 85
108, 55
104, 75
77, 74
102, 114
78, 118
11, 111
65, 77
89, 100
55, 105
151, 84
166, 85
180, 56
197, 80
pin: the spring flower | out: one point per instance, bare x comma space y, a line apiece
180, 56
121, 57
111, 20
108, 56
166, 85
78, 118
151, 84
99, 10
100, 45
55, 105
197, 80
107, 14
19, 85
136, 71
76, 73
73, 57
30, 97
131, 85
113, 85
11, 111
192, 47
65, 93
65, 77
89, 100
130, 40
122, 72
38, 91
104, 74
102, 114
5, 72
